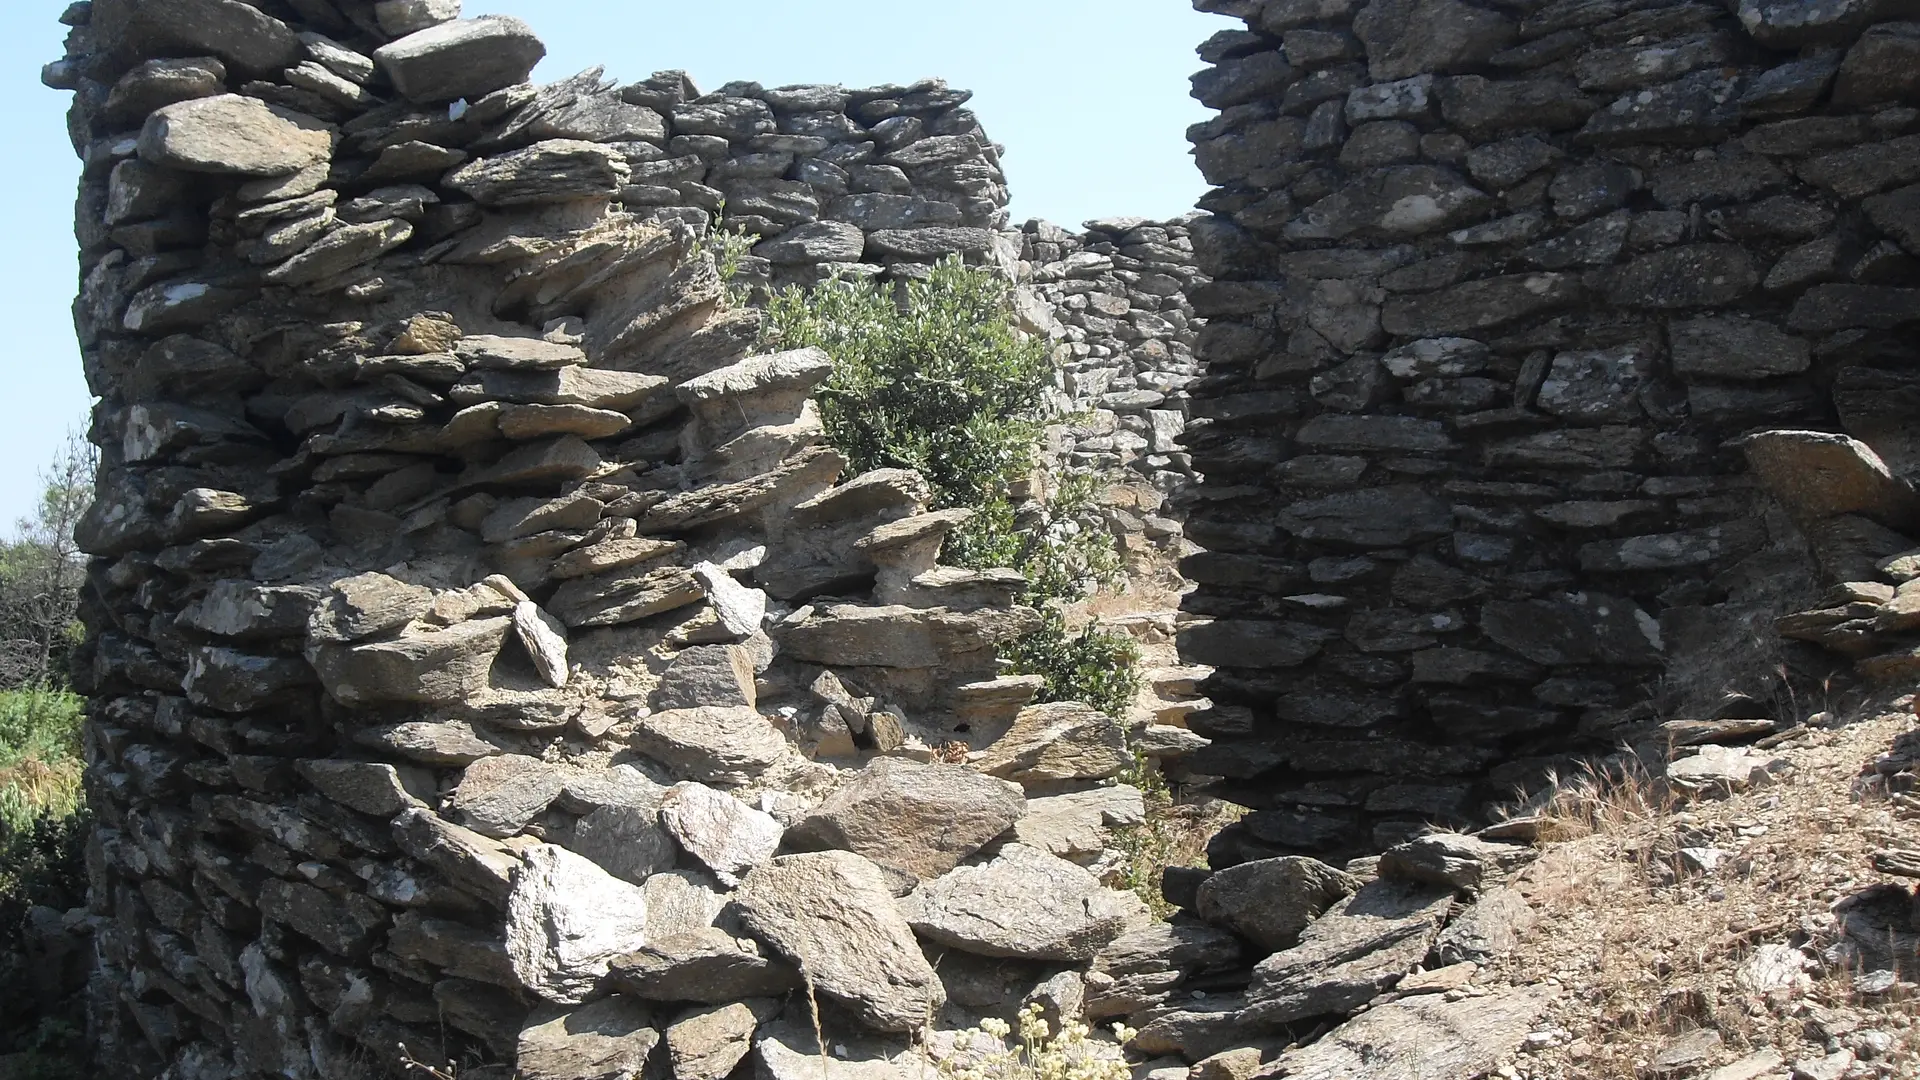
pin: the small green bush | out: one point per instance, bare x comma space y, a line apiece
934, 380
39, 757
42, 724
932, 377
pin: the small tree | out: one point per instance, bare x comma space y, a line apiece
41, 571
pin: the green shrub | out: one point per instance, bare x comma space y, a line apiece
42, 724
39, 757
931, 376
1096, 666
935, 380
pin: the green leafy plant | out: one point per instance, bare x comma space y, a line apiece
729, 248
1092, 665
932, 377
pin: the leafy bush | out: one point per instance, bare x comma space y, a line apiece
932, 377
42, 829
935, 380
42, 724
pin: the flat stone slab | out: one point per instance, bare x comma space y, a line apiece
466, 58
1723, 768
1420, 1038
234, 135
1025, 903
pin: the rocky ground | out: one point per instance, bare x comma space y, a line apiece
1722, 936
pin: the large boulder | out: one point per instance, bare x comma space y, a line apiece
832, 915
922, 819
234, 135
466, 58
567, 920
1271, 900
1025, 904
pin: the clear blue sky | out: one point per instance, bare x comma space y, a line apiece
1088, 96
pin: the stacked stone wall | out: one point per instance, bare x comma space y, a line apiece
487, 659
881, 181
1496, 289
1114, 302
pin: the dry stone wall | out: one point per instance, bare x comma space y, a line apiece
487, 658
876, 182
1114, 302
1497, 287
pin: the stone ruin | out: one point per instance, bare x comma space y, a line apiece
1506, 297
490, 662
488, 659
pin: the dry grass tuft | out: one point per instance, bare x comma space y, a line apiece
1605, 797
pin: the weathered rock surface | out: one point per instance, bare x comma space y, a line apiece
1463, 862
1360, 948
626, 841
498, 796
423, 664
704, 964
712, 744
1821, 475
1488, 930
612, 1039
707, 1044
729, 837
923, 819
1024, 903
567, 920
234, 135
1060, 741
1077, 826
467, 58
1420, 1037
830, 914
1270, 901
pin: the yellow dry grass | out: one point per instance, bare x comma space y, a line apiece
1646, 946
